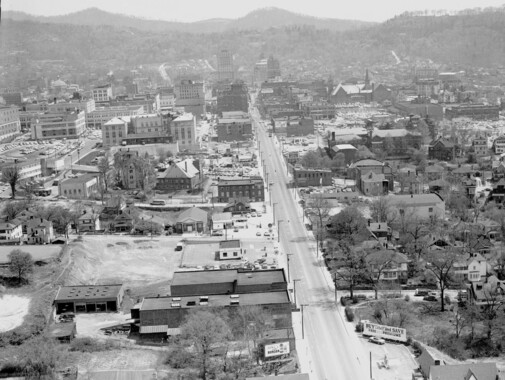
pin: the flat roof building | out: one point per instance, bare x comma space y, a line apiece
10, 124
250, 189
89, 298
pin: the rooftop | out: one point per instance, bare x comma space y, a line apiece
80, 179
79, 292
228, 275
240, 181
265, 298
185, 117
415, 199
229, 244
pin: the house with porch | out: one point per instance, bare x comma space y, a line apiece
123, 222
192, 220
88, 222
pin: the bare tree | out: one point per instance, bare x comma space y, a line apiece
203, 330
491, 312
320, 208
11, 175
104, 168
349, 265
440, 264
376, 263
20, 263
382, 211
459, 322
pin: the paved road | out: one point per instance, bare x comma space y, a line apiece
334, 352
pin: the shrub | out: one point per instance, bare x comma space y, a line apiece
409, 341
91, 345
359, 327
355, 300
349, 314
447, 299
343, 301
417, 346
407, 298
179, 358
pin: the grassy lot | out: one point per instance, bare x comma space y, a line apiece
38, 252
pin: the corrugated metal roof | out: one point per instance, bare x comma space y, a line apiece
153, 329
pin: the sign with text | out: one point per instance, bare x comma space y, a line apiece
276, 349
386, 332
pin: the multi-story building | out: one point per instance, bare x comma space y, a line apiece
190, 95
473, 111
102, 115
82, 187
266, 69
499, 145
319, 110
39, 231
184, 131
234, 97
479, 145
114, 131
360, 169
86, 105
234, 127
102, 93
312, 177
441, 149
28, 170
131, 177
12, 98
167, 101
10, 124
302, 126
11, 231
225, 69
147, 123
252, 189
69, 124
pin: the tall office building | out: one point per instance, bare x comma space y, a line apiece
225, 69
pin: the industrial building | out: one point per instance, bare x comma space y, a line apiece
249, 188
89, 298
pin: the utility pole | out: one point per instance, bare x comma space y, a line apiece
303, 328
287, 255
295, 280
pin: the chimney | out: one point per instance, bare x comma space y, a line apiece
332, 136
368, 222
186, 166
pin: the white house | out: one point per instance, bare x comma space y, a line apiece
472, 269
11, 231
422, 206
222, 220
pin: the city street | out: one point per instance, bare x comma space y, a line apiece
334, 352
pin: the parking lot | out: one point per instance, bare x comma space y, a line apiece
390, 361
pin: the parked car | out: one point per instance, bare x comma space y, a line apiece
266, 234
376, 340
217, 233
258, 233
430, 298
421, 293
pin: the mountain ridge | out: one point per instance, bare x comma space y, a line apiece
259, 19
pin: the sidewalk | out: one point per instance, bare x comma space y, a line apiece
302, 348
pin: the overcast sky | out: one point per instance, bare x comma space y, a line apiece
194, 10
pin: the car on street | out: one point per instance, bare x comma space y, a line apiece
266, 234
258, 233
235, 230
217, 233
376, 340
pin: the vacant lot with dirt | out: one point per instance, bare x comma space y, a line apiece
130, 260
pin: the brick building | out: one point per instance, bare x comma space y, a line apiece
234, 97
234, 129
473, 111
312, 177
250, 188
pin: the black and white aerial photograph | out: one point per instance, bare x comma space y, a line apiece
234, 190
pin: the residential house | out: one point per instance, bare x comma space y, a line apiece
473, 268
481, 244
359, 169
113, 207
410, 182
486, 291
221, 221
231, 250
498, 170
390, 265
470, 187
434, 368
499, 145
39, 231
191, 220
88, 222
380, 231
438, 185
441, 149
238, 206
123, 222
422, 206
498, 192
373, 184
435, 241
463, 172
182, 175
479, 145
434, 172
11, 231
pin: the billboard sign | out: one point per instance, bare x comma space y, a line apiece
276, 349
385, 332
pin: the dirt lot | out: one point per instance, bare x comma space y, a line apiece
120, 359
90, 325
130, 260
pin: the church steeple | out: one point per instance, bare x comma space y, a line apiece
367, 79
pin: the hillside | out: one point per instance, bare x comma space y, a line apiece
471, 40
260, 19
